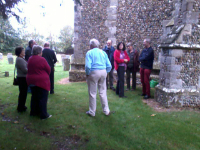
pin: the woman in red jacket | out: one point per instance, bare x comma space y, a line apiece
121, 59
38, 79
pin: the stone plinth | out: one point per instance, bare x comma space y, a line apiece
179, 79
77, 72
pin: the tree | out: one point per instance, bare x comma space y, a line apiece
66, 38
9, 38
37, 37
6, 6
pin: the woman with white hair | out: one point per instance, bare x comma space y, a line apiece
38, 79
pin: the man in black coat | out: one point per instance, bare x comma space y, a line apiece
28, 51
146, 59
50, 56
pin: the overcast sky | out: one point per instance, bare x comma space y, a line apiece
46, 15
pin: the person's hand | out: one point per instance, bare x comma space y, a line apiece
125, 60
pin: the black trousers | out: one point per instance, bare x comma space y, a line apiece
130, 71
39, 102
120, 81
51, 76
22, 93
110, 79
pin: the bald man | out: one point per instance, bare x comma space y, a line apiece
109, 49
50, 56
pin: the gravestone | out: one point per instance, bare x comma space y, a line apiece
10, 58
66, 62
179, 79
1, 56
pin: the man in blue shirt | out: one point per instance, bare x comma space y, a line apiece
97, 65
109, 49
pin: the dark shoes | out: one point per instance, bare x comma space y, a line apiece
47, 117
88, 113
51, 92
142, 94
123, 96
112, 88
129, 89
22, 110
146, 97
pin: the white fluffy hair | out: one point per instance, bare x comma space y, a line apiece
94, 42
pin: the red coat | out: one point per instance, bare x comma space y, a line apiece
117, 59
38, 72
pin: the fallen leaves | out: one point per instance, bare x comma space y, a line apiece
16, 122
153, 115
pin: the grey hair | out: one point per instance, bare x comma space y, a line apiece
94, 42
148, 40
109, 41
36, 50
129, 44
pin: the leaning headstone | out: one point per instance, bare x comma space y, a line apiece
10, 58
1, 56
66, 63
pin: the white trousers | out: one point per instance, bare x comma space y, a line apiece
97, 78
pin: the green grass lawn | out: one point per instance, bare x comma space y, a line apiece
129, 127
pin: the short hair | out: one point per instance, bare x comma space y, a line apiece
37, 49
124, 47
109, 41
129, 44
94, 42
18, 50
46, 44
30, 42
148, 40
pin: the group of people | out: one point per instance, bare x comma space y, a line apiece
100, 64
35, 70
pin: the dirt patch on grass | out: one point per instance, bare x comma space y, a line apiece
159, 108
64, 81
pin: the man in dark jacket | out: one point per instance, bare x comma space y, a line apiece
132, 66
28, 51
109, 49
146, 58
50, 56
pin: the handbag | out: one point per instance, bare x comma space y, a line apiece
15, 81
